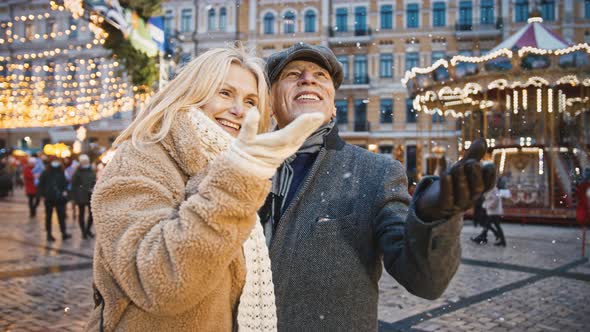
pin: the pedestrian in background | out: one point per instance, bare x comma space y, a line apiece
83, 181
53, 188
40, 164
71, 165
480, 218
493, 205
30, 187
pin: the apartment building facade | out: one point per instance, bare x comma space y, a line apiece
377, 41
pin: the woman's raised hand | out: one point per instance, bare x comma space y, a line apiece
271, 149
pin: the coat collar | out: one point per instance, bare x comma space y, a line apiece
333, 141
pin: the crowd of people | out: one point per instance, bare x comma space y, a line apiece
55, 181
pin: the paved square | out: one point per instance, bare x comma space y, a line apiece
539, 282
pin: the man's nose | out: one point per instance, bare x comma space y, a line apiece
307, 77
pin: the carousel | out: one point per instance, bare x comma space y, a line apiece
528, 98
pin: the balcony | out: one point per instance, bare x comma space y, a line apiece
359, 34
356, 81
474, 31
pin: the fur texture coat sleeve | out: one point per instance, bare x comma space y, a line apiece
164, 248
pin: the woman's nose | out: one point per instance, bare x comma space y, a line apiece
237, 109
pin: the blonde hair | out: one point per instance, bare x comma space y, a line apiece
194, 86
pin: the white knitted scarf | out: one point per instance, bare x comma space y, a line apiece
256, 310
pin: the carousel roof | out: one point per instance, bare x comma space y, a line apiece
536, 35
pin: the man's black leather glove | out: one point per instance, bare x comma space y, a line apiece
459, 187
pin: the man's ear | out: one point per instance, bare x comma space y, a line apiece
334, 112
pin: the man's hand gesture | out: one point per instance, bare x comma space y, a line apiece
458, 188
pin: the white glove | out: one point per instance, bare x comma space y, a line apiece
269, 150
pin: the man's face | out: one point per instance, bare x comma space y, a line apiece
302, 87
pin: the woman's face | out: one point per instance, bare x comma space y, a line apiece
237, 94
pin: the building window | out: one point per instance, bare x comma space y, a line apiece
168, 19
360, 19
386, 114
71, 70
289, 22
387, 17
410, 113
360, 69
51, 28
360, 115
342, 19
437, 55
439, 13
211, 20
3, 68
386, 149
49, 70
487, 12
412, 60
28, 65
269, 24
412, 15
587, 8
310, 21
30, 30
343, 59
465, 15
73, 28
548, 10
341, 111
222, 19
186, 17
521, 10
386, 65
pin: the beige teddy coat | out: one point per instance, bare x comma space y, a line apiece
171, 219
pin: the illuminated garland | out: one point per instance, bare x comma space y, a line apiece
75, 91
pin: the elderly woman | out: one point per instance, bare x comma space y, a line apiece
179, 246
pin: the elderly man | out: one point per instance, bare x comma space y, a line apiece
338, 213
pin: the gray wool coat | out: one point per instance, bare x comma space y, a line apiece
351, 216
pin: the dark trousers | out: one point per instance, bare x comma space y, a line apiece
84, 228
33, 203
492, 223
60, 208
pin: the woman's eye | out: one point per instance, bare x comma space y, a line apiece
251, 102
224, 93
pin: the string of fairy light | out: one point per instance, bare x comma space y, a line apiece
60, 86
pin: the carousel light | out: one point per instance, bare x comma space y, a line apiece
541, 162
502, 160
515, 102
550, 100
539, 100
524, 99
535, 19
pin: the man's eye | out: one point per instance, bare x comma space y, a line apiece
292, 74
